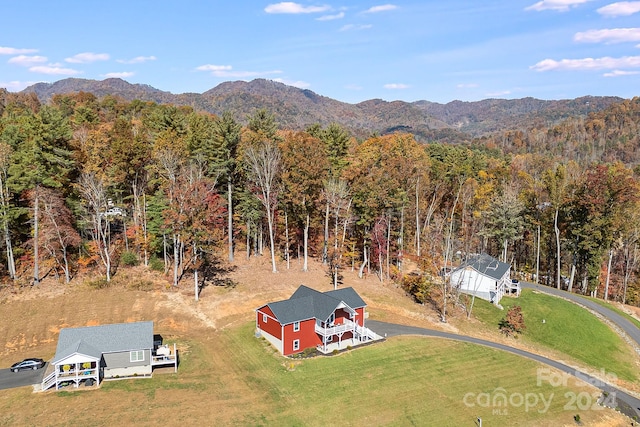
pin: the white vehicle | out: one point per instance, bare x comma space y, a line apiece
115, 211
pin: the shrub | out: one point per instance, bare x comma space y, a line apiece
100, 283
513, 322
156, 264
129, 259
309, 351
417, 286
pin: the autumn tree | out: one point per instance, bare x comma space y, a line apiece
304, 170
193, 216
513, 323
58, 232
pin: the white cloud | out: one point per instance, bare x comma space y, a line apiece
381, 8
211, 67
27, 61
53, 69
498, 94
622, 8
559, 5
227, 71
15, 86
353, 27
613, 35
297, 83
120, 75
467, 85
331, 17
353, 87
294, 8
604, 63
137, 60
618, 73
87, 57
14, 51
396, 86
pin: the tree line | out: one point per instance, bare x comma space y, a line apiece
92, 184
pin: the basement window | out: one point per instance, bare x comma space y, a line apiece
296, 345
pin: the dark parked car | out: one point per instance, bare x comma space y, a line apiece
31, 363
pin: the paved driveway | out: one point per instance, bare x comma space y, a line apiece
622, 322
10, 379
626, 403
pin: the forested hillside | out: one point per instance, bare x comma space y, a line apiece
93, 183
297, 109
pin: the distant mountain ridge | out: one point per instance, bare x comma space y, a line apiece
296, 108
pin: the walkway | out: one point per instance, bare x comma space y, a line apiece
627, 404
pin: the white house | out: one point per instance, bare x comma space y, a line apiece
87, 355
485, 277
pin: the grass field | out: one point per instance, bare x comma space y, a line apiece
404, 381
612, 307
568, 329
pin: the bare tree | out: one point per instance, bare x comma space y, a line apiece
93, 192
264, 168
5, 154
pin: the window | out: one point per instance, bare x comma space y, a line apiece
332, 319
296, 326
136, 356
296, 345
264, 318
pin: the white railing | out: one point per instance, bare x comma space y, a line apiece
49, 381
163, 360
347, 326
79, 373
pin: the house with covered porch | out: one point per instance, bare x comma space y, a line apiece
87, 355
485, 277
312, 319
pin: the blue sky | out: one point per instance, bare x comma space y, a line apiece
350, 51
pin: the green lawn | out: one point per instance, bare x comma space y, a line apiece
616, 309
567, 328
404, 381
231, 378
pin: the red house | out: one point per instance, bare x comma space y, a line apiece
312, 319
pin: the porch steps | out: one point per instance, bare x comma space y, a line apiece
49, 381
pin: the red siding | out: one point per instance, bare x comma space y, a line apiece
307, 336
360, 316
271, 326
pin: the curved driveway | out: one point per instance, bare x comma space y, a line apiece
627, 404
622, 322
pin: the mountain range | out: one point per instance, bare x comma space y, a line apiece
296, 108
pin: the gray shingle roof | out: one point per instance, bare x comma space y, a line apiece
307, 303
96, 340
487, 265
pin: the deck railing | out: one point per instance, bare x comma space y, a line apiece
347, 326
